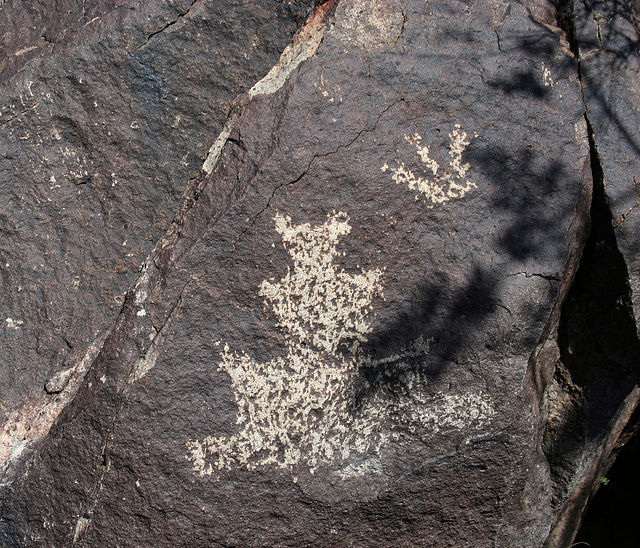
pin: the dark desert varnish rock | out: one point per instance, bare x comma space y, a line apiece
359, 325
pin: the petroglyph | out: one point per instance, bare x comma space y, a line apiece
301, 408
440, 186
547, 79
14, 324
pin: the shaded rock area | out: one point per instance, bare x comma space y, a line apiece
607, 35
380, 292
611, 516
594, 390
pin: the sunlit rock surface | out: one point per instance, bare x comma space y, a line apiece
360, 286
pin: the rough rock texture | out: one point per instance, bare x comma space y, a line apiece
606, 35
389, 311
594, 390
101, 137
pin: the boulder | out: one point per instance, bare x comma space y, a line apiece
103, 134
363, 325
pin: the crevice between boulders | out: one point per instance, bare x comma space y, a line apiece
566, 22
593, 394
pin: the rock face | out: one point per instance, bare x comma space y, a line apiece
390, 308
102, 136
594, 389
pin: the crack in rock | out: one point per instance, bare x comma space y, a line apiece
165, 27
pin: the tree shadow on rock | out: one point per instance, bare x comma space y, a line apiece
526, 82
443, 317
523, 189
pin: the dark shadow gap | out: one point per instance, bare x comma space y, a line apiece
599, 356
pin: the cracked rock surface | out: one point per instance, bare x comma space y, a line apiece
363, 315
102, 136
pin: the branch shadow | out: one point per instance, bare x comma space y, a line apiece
612, 50
444, 318
453, 318
521, 82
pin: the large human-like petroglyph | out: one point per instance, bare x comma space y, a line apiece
299, 408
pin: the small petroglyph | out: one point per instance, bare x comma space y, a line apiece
439, 186
13, 324
299, 408
547, 80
